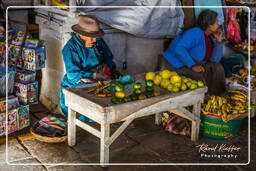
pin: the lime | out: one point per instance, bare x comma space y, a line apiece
149, 89
177, 84
175, 89
193, 86
119, 88
200, 84
137, 86
170, 86
185, 80
150, 83
189, 83
183, 87
137, 91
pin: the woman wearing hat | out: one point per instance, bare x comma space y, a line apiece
86, 56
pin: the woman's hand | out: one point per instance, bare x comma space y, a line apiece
198, 68
218, 35
102, 76
87, 80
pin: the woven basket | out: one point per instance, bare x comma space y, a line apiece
213, 126
48, 139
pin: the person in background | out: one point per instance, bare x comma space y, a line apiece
87, 58
196, 53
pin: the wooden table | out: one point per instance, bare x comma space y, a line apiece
102, 111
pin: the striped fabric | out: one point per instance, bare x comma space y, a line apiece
51, 126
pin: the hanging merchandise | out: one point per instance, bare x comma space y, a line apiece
242, 17
233, 30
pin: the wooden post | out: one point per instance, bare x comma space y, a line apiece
72, 3
158, 118
196, 124
71, 127
104, 148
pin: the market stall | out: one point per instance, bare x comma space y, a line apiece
133, 104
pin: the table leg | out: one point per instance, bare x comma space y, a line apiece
104, 149
196, 124
71, 127
158, 118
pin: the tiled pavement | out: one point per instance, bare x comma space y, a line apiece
143, 142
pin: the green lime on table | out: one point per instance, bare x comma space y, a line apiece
137, 86
149, 83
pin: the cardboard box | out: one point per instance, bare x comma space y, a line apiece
23, 117
27, 93
25, 76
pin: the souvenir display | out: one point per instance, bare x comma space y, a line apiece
31, 43
18, 39
2, 124
14, 52
23, 117
25, 76
13, 102
33, 58
27, 93
12, 121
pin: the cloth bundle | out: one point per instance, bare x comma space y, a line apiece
233, 29
51, 126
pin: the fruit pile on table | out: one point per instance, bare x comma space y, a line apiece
173, 82
147, 87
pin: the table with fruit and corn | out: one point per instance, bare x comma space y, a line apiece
150, 93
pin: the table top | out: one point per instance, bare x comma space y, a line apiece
82, 91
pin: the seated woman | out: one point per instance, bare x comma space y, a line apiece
196, 53
87, 58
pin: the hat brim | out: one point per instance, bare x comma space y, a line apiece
76, 28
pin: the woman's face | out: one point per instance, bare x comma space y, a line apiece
214, 27
89, 41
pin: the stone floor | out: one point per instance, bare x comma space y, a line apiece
142, 144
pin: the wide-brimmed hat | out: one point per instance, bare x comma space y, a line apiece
88, 26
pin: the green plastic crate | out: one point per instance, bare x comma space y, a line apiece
214, 127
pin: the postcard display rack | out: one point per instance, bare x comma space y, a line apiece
24, 59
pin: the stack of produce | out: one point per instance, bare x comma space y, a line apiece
101, 90
233, 103
173, 82
138, 93
245, 45
242, 76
